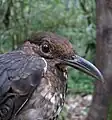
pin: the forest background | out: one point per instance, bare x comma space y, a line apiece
74, 19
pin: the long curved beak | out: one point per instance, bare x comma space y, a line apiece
85, 66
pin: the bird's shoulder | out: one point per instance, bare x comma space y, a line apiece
17, 65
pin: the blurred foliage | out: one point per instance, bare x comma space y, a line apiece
74, 19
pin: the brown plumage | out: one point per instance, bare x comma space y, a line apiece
33, 79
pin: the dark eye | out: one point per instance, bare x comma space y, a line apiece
45, 48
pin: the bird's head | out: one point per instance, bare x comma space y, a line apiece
60, 51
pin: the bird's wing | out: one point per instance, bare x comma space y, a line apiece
20, 74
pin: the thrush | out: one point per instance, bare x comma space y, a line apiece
33, 78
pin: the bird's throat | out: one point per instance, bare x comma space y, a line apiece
63, 70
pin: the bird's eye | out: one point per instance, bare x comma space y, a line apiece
45, 48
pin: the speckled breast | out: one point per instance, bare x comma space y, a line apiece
48, 99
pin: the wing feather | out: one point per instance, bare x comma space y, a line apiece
20, 74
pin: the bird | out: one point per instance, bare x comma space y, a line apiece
33, 78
